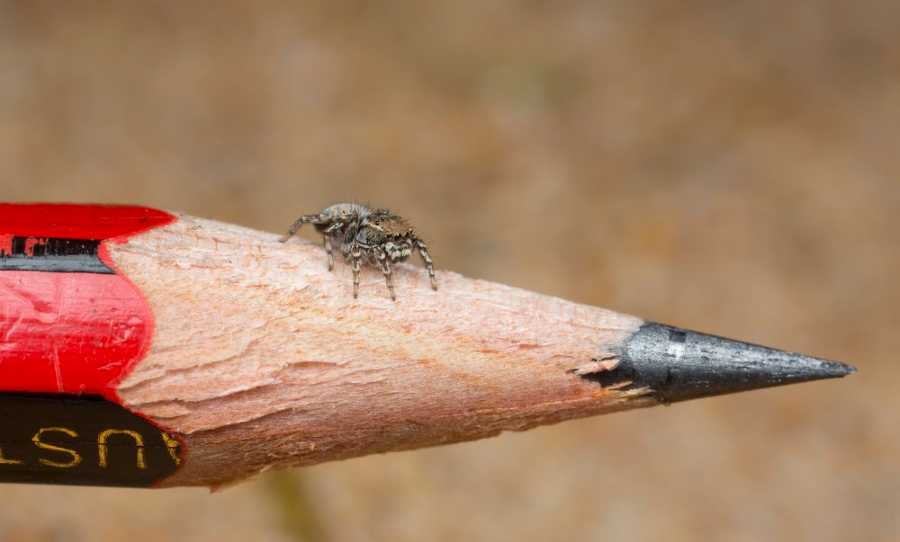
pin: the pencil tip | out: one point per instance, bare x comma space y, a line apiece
678, 365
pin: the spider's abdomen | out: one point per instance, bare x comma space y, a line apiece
341, 209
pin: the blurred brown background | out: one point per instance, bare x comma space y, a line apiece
731, 167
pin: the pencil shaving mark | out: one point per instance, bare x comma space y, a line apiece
262, 398
177, 412
607, 363
185, 387
627, 385
234, 357
163, 409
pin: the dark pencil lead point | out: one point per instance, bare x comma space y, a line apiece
677, 365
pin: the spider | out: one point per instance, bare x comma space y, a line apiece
365, 235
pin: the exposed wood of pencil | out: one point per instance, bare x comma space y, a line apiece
261, 357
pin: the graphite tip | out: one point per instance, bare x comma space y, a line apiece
678, 365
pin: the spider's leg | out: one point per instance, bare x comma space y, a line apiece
356, 257
386, 269
305, 219
423, 251
329, 253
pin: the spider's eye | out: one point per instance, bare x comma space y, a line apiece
378, 223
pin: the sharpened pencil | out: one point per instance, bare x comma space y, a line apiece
239, 354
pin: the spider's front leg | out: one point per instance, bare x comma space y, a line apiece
423, 252
386, 270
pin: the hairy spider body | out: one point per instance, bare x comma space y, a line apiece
366, 236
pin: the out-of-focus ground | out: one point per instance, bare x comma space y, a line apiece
731, 167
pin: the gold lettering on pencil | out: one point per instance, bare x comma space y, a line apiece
4, 461
138, 439
173, 446
76, 459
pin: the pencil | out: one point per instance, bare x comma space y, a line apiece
152, 349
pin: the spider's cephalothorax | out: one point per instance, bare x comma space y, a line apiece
364, 235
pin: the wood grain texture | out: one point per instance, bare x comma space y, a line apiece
261, 357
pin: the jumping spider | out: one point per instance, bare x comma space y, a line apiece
364, 235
